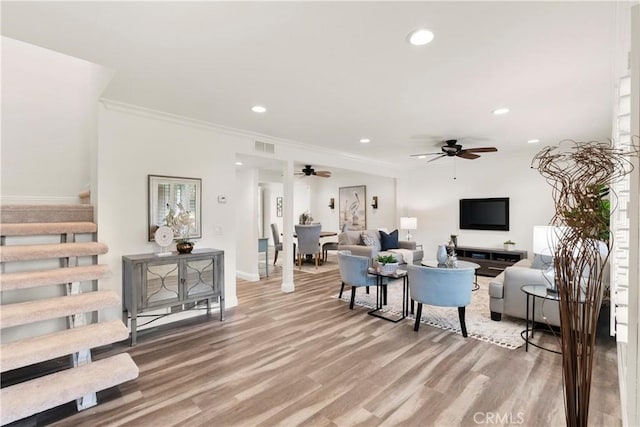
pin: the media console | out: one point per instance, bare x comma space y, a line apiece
492, 261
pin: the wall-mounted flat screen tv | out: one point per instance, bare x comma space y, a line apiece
484, 214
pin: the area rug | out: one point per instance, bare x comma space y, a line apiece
309, 267
505, 333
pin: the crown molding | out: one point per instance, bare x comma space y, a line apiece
368, 164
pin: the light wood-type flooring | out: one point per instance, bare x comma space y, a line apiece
304, 358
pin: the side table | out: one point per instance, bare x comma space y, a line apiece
533, 292
380, 276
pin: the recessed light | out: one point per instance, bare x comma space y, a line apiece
420, 37
422, 157
365, 140
238, 163
258, 109
500, 111
533, 141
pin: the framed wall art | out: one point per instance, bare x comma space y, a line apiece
353, 207
278, 206
175, 202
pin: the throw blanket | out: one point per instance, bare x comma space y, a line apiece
407, 254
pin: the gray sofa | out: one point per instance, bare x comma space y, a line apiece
507, 298
352, 240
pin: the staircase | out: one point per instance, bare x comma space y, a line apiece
48, 257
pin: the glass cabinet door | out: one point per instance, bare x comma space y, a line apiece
162, 284
198, 276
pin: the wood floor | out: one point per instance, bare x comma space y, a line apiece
305, 359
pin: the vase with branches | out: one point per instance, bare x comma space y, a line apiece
581, 174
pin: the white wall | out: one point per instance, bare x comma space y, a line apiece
246, 196
432, 195
133, 145
49, 127
49, 111
383, 187
302, 197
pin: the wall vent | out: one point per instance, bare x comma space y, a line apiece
264, 147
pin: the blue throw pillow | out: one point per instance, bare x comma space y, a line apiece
389, 241
542, 262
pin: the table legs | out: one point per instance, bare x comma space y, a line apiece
530, 327
381, 299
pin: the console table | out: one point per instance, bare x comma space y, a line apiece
151, 282
492, 261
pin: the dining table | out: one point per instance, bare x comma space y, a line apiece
309, 257
322, 234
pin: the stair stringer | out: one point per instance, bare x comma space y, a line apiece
26, 245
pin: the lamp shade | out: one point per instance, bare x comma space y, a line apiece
408, 222
545, 238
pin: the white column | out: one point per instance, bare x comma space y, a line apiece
287, 228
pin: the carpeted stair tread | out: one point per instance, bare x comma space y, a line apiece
30, 397
46, 213
34, 311
46, 228
52, 250
38, 349
31, 279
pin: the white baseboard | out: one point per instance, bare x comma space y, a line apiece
251, 277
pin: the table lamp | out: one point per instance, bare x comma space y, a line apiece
408, 223
545, 240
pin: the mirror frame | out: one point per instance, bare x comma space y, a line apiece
152, 191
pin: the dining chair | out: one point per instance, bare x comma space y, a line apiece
276, 241
326, 247
353, 272
444, 287
308, 241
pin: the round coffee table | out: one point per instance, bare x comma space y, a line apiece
460, 264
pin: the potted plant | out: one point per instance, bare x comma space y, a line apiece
387, 264
509, 245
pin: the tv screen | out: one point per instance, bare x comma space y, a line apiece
484, 214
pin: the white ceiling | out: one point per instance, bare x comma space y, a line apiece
330, 73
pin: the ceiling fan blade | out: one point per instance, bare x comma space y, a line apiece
299, 173
465, 154
436, 158
323, 174
481, 150
424, 154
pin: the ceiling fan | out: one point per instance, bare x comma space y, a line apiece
452, 148
309, 171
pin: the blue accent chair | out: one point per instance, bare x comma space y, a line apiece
353, 272
445, 287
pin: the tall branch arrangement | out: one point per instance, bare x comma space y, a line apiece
581, 174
